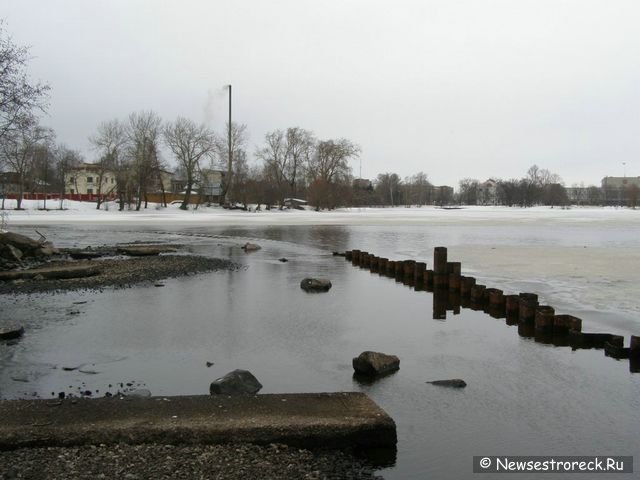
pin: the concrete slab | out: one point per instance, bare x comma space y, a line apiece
335, 420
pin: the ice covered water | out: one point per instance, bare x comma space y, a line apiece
522, 397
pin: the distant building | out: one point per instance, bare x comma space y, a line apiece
297, 203
578, 195
441, 195
85, 180
488, 192
210, 184
617, 190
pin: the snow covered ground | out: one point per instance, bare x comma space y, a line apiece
85, 212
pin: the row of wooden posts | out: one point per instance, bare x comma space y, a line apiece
452, 290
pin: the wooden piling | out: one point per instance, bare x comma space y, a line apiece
428, 279
496, 302
543, 320
355, 257
399, 268
634, 347
391, 268
382, 265
419, 272
477, 294
373, 263
409, 268
348, 255
466, 284
528, 304
563, 323
440, 281
454, 269
512, 306
440, 261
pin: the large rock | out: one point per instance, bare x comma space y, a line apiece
10, 253
375, 363
9, 332
315, 285
26, 245
238, 382
453, 383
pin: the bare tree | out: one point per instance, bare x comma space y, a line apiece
469, 191
65, 161
286, 154
19, 150
239, 138
189, 143
329, 169
388, 188
331, 159
594, 195
274, 156
110, 141
300, 145
19, 97
143, 134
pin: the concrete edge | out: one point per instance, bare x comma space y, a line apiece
317, 420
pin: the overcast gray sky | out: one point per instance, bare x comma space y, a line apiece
469, 88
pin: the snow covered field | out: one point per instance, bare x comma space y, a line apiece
79, 212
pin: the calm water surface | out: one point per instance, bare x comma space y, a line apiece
523, 397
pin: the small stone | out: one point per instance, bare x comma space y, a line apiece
140, 393
452, 383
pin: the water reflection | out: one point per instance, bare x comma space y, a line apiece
259, 319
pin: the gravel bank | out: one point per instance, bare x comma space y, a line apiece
121, 273
137, 462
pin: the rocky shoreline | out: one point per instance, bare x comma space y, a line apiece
119, 273
154, 461
29, 266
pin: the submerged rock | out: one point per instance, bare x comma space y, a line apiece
452, 383
251, 247
375, 363
315, 285
10, 332
238, 382
140, 393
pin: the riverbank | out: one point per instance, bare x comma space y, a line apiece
204, 436
118, 273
